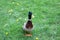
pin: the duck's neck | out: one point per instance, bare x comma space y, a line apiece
29, 19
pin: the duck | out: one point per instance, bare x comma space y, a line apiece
28, 26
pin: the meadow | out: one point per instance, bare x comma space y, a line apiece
46, 19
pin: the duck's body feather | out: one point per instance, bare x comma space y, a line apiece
26, 29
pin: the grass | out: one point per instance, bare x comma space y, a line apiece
46, 21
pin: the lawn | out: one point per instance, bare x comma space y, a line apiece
46, 19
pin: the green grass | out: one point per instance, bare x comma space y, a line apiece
46, 21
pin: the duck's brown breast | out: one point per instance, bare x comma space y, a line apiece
29, 25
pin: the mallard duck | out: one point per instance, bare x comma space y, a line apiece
28, 26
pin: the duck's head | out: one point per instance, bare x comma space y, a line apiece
29, 15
